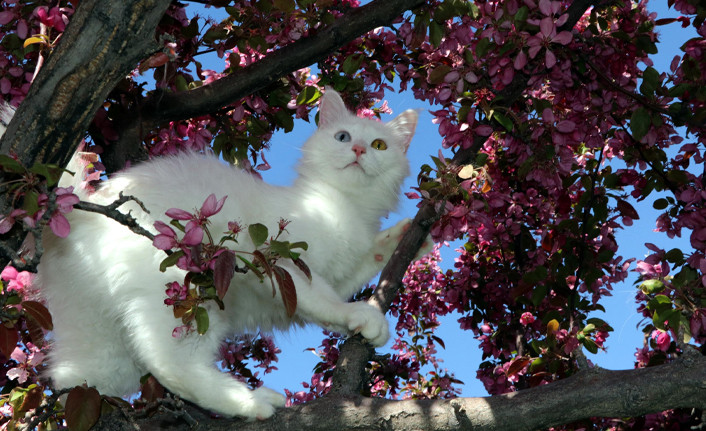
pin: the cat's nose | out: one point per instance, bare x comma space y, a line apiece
358, 150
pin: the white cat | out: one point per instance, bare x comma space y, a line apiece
106, 293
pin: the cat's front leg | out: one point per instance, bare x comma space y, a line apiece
318, 302
386, 242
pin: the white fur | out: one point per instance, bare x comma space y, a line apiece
106, 293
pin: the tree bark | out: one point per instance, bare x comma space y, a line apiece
591, 394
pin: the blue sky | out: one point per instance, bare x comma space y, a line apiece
461, 355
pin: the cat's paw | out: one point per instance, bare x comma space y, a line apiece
262, 404
368, 321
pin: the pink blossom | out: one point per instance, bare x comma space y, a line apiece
17, 281
662, 340
26, 363
527, 318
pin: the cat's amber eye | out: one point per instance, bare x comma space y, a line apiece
379, 144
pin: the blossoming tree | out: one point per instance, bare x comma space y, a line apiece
557, 119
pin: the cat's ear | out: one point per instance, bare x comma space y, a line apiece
404, 125
331, 108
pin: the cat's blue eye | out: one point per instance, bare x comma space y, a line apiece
342, 136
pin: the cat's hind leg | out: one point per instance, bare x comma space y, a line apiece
186, 366
92, 355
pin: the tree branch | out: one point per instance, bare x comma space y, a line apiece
596, 393
302, 53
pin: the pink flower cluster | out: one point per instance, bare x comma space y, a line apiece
167, 239
64, 201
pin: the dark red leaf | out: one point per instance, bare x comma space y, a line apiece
152, 390
35, 331
518, 365
303, 267
223, 272
439, 341
83, 408
627, 210
665, 21
286, 289
32, 399
39, 312
8, 340
260, 260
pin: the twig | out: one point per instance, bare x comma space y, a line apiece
45, 410
171, 404
112, 212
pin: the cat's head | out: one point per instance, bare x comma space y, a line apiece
357, 154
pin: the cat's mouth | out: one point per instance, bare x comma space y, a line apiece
354, 165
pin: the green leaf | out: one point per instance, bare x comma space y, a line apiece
285, 5
308, 96
9, 164
652, 286
640, 122
660, 204
522, 14
590, 345
51, 172
251, 267
503, 120
181, 83
299, 244
650, 81
482, 47
170, 260
436, 76
352, 63
675, 256
281, 248
600, 324
659, 304
31, 202
436, 33
284, 120
659, 318
258, 233
201, 317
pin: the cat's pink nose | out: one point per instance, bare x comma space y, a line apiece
358, 150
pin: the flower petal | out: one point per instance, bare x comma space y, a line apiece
211, 206
193, 236
59, 225
179, 214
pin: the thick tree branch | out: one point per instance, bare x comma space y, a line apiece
596, 393
302, 53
